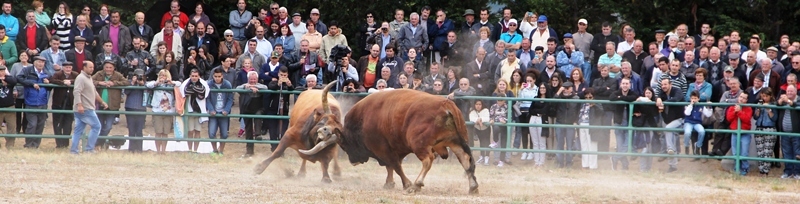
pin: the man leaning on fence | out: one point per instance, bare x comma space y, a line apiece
104, 80
35, 98
62, 100
7, 101
251, 103
85, 97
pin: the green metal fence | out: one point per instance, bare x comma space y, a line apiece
509, 125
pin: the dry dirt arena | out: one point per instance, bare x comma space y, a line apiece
49, 175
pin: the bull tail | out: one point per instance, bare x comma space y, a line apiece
461, 139
325, 91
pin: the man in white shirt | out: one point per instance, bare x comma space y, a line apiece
263, 45
298, 28
755, 46
626, 45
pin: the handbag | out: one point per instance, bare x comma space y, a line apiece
708, 117
177, 127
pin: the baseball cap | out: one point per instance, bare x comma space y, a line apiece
583, 21
514, 21
542, 18
728, 69
276, 55
314, 11
567, 35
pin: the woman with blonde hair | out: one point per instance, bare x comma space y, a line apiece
163, 104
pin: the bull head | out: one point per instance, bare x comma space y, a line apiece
329, 125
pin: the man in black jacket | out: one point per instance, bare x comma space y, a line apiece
621, 117
599, 45
673, 117
62, 100
251, 103
604, 88
568, 115
7, 101
39, 38
278, 105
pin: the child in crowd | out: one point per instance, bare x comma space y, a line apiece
694, 121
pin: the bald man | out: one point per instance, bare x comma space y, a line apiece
139, 28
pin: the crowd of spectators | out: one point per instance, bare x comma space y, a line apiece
522, 58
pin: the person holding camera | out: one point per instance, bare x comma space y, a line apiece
138, 58
7, 100
135, 101
343, 71
382, 38
62, 100
278, 104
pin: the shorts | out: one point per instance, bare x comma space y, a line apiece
193, 123
163, 124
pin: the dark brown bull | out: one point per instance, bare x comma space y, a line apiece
312, 124
389, 125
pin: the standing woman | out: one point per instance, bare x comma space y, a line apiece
515, 84
229, 46
550, 111
528, 91
285, 38
199, 14
314, 38
101, 19
499, 114
19, 93
479, 115
41, 17
766, 120
211, 31
576, 77
204, 61
273, 32
62, 22
164, 103
187, 37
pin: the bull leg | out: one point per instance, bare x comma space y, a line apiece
389, 178
464, 156
276, 154
337, 172
302, 172
427, 159
398, 168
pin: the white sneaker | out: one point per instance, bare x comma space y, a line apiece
786, 176
524, 156
530, 156
480, 159
500, 164
486, 161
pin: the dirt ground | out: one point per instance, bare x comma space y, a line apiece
49, 175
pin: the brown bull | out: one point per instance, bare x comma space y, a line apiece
389, 125
309, 122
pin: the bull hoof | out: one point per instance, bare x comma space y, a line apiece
389, 185
326, 180
413, 189
259, 169
301, 175
473, 190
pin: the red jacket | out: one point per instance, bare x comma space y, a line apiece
744, 115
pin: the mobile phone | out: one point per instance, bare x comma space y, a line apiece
530, 13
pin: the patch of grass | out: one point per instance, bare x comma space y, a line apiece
724, 187
778, 188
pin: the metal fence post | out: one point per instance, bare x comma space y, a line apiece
630, 125
509, 118
738, 146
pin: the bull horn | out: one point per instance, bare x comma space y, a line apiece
325, 91
319, 146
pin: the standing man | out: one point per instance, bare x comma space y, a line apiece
251, 103
8, 48
438, 33
219, 106
413, 35
789, 121
318, 24
398, 22
171, 40
35, 98
138, 58
11, 22
139, 28
238, 19
194, 92
82, 30
78, 54
54, 57
262, 44
332, 39
62, 100
583, 43
34, 38
133, 103
7, 100
118, 34
470, 28
85, 97
298, 28
175, 10
113, 97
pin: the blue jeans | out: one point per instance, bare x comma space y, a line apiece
622, 143
81, 120
564, 136
586, 68
687, 134
790, 146
218, 123
742, 150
